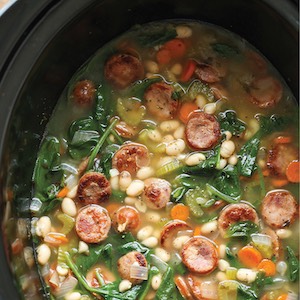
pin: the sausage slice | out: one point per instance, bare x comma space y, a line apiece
234, 213
170, 231
93, 188
131, 157
207, 73
159, 101
84, 93
123, 69
126, 218
202, 131
279, 209
157, 193
92, 223
199, 255
126, 261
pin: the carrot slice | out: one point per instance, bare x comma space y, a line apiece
197, 230
293, 171
176, 47
267, 266
55, 238
163, 56
182, 287
283, 140
188, 71
63, 192
283, 297
185, 110
180, 212
279, 182
249, 256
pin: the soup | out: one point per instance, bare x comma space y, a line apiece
169, 170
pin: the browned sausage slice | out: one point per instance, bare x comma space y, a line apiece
93, 188
126, 218
125, 263
170, 231
234, 213
159, 101
207, 73
279, 209
84, 93
195, 285
93, 223
202, 131
131, 157
199, 255
279, 158
157, 193
265, 91
123, 69
125, 130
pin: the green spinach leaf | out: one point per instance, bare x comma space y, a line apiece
242, 229
229, 122
293, 264
225, 50
166, 290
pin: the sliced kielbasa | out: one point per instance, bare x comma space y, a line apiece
125, 263
199, 255
279, 158
279, 209
131, 157
202, 131
157, 193
265, 91
159, 101
126, 218
194, 284
125, 130
93, 188
92, 223
207, 73
123, 69
234, 213
169, 232
84, 93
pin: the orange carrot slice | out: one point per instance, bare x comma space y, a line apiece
180, 212
185, 110
293, 171
267, 266
249, 256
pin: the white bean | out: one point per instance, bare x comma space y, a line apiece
162, 254
194, 159
114, 172
125, 285
83, 247
210, 108
283, 233
144, 232
43, 226
73, 192
223, 265
209, 227
114, 182
154, 135
221, 276
176, 69
246, 275
145, 172
28, 256
156, 281
150, 242
43, 254
179, 132
233, 159
222, 250
200, 101
153, 217
73, 296
227, 148
68, 206
281, 267
168, 138
169, 126
179, 241
124, 180
183, 31
135, 188
141, 206
130, 200
222, 164
175, 147
151, 66
62, 271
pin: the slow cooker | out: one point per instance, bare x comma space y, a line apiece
44, 42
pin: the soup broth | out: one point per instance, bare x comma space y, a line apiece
169, 170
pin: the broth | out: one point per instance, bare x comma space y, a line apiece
169, 170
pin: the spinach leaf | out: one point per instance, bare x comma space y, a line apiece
153, 35
293, 264
245, 292
106, 159
153, 271
232, 258
138, 89
242, 229
229, 122
178, 194
82, 124
225, 50
167, 287
47, 175
133, 246
261, 281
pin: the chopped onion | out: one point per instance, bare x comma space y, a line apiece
175, 259
69, 168
83, 136
261, 239
45, 270
157, 262
138, 272
54, 279
292, 296
35, 205
71, 181
278, 283
209, 290
67, 286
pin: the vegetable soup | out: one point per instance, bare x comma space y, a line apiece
170, 170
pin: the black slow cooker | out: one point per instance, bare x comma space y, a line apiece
44, 42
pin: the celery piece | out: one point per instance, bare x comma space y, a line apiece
68, 223
231, 273
227, 290
191, 200
168, 168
